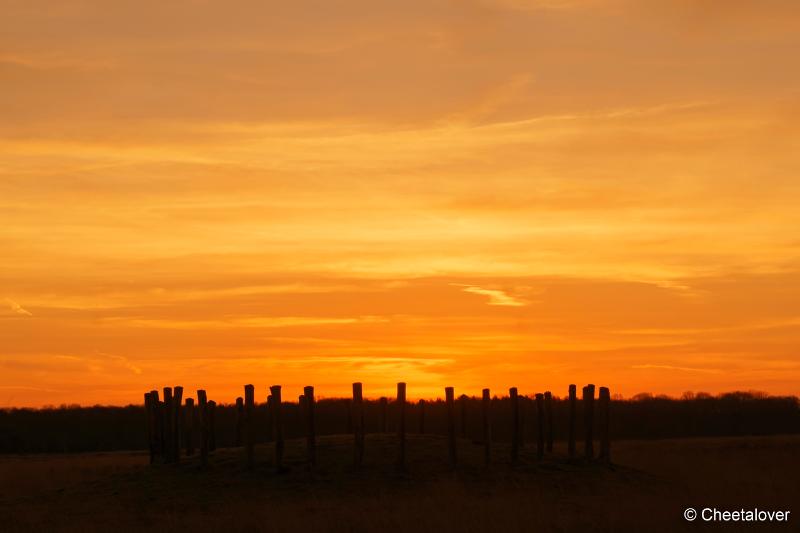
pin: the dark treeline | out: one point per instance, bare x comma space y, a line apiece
85, 429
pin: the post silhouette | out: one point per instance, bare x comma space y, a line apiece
514, 399
421, 405
177, 401
401, 425
572, 414
270, 418
358, 425
451, 425
201, 405
486, 406
548, 409
212, 425
383, 402
158, 423
188, 426
588, 420
462, 402
239, 435
539, 425
166, 415
278, 426
248, 424
148, 411
311, 432
604, 416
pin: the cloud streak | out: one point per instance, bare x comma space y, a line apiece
16, 308
495, 296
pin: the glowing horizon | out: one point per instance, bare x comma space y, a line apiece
491, 193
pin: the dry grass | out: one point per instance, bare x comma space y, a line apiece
647, 491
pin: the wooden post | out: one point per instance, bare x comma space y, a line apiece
158, 422
486, 406
148, 417
451, 425
588, 420
384, 405
605, 441
239, 430
168, 425
462, 400
270, 418
188, 426
203, 408
177, 402
401, 425
514, 398
539, 425
572, 415
358, 425
278, 424
212, 425
248, 423
548, 409
421, 405
311, 432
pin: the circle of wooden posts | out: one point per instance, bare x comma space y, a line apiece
173, 421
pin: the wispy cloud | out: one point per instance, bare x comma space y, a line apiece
16, 308
496, 296
679, 368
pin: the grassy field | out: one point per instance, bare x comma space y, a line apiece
650, 485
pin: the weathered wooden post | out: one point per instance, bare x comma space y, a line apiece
572, 415
514, 399
421, 405
588, 420
486, 406
148, 416
539, 425
158, 422
462, 403
451, 425
301, 410
188, 426
202, 406
276, 402
249, 423
239, 436
168, 425
212, 425
358, 425
270, 418
177, 402
401, 425
384, 408
605, 441
548, 409
311, 431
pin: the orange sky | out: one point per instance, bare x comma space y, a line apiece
470, 193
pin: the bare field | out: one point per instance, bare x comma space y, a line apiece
650, 485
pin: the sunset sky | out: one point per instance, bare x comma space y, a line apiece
477, 193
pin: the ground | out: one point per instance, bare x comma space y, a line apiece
647, 489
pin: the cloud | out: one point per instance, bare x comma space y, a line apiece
679, 368
16, 308
496, 296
